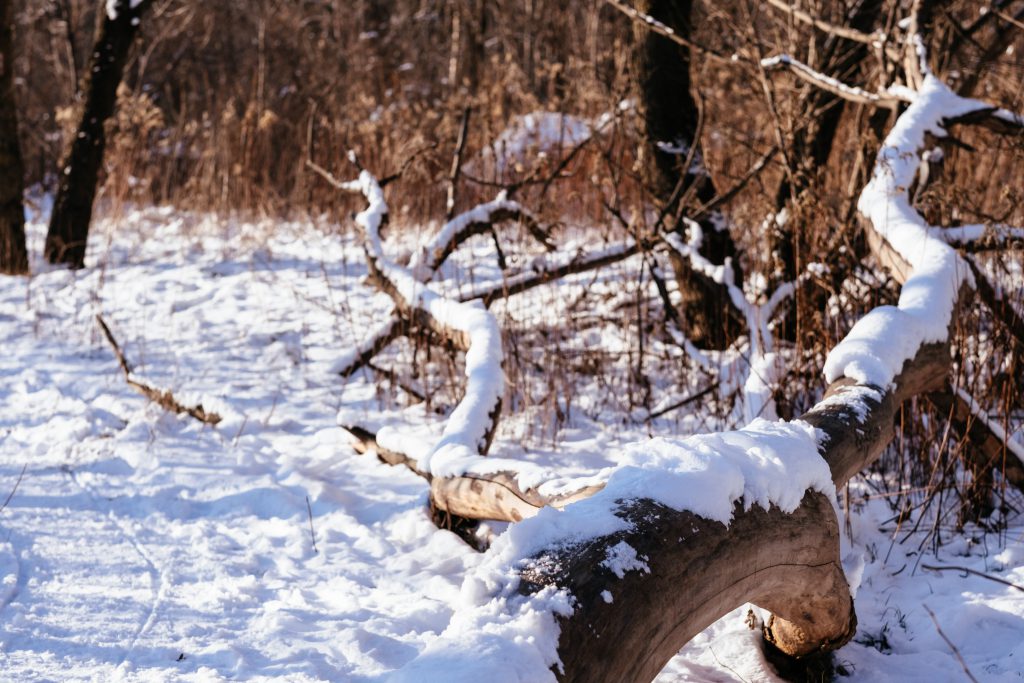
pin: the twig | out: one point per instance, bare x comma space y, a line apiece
378, 340
453, 174
16, 484
164, 398
312, 535
661, 29
726, 196
829, 84
529, 280
328, 176
968, 570
1001, 309
686, 401
388, 179
950, 643
842, 31
1007, 18
127, 369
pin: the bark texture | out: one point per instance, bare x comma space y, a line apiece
13, 256
699, 570
79, 175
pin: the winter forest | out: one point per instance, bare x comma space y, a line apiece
512, 341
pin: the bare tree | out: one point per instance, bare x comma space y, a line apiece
13, 256
79, 173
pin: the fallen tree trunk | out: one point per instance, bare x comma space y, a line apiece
785, 562
698, 571
543, 604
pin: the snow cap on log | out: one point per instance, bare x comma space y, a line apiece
883, 340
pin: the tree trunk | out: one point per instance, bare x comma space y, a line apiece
669, 120
698, 570
72, 208
13, 256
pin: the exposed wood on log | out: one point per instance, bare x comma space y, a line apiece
162, 397
787, 563
497, 496
365, 441
693, 570
852, 443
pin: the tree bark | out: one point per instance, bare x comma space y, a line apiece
699, 570
672, 164
13, 256
788, 563
79, 176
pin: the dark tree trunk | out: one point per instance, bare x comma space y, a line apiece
13, 257
79, 176
468, 55
669, 119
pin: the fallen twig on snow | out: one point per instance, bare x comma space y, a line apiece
949, 642
16, 485
968, 570
164, 398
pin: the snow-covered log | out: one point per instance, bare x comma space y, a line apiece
682, 532
687, 532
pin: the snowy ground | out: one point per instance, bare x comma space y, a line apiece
140, 545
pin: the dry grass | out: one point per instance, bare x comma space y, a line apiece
224, 102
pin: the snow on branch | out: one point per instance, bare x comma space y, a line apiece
1004, 440
889, 99
505, 622
534, 603
764, 365
542, 271
981, 237
883, 340
362, 353
476, 221
470, 427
